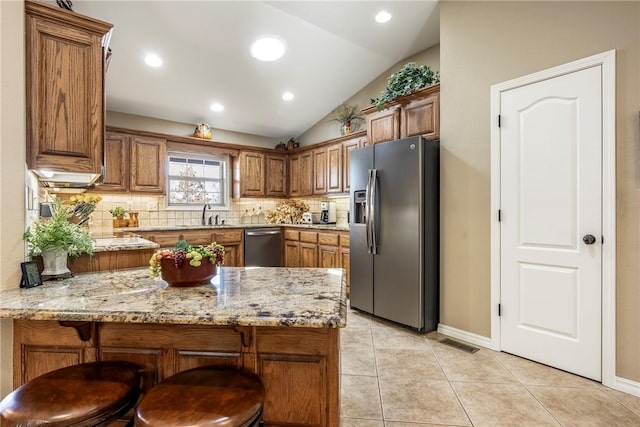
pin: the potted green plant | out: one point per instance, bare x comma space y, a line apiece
56, 238
118, 214
348, 116
411, 77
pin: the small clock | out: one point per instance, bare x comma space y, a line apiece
30, 275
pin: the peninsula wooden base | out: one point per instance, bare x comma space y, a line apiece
298, 366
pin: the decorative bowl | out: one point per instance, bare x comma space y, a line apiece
187, 275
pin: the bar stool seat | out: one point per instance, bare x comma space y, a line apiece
209, 396
88, 394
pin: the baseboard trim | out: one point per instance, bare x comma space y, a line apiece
627, 386
464, 336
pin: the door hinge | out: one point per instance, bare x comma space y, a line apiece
499, 309
499, 215
499, 120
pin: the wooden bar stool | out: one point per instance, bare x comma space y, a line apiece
89, 394
209, 396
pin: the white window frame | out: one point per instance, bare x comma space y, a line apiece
226, 181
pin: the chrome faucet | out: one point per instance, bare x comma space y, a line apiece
217, 219
204, 208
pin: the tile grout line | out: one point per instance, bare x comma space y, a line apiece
527, 389
455, 393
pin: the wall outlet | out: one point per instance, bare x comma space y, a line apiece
153, 206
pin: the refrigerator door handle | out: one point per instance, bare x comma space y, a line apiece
368, 211
373, 209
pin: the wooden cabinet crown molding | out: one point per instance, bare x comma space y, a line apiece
68, 18
401, 100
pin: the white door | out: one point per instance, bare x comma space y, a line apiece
551, 221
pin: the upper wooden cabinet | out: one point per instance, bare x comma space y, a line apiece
334, 168
410, 115
276, 176
134, 164
65, 89
301, 175
320, 171
383, 125
263, 174
347, 147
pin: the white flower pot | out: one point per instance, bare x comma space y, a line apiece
55, 262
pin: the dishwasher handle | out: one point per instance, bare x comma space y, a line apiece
261, 233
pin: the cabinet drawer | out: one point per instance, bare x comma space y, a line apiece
309, 237
228, 236
345, 240
291, 235
328, 239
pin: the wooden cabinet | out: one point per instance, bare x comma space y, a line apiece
252, 174
347, 147
301, 178
414, 114
231, 238
334, 168
308, 255
383, 125
134, 164
110, 260
263, 175
148, 159
299, 367
328, 256
276, 176
320, 171
65, 89
421, 117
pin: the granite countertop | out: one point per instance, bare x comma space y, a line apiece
248, 296
112, 244
332, 227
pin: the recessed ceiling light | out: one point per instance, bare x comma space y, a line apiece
287, 96
217, 107
153, 60
382, 17
268, 48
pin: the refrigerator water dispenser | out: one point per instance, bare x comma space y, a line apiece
360, 206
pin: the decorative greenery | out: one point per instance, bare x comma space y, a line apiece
58, 233
118, 211
348, 116
182, 251
411, 77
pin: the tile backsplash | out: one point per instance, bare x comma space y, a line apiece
152, 211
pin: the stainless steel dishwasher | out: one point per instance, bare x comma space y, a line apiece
262, 247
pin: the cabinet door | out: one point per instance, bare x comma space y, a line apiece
328, 257
148, 159
294, 176
64, 88
116, 166
320, 171
276, 175
422, 117
308, 255
291, 253
347, 147
233, 255
306, 173
334, 168
383, 125
252, 172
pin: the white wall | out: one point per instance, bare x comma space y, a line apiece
12, 169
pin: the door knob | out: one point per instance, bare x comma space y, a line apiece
589, 239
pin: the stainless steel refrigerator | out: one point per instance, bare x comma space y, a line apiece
394, 230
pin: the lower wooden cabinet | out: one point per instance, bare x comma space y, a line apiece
308, 255
231, 238
299, 367
291, 253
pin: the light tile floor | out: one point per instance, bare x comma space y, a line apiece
393, 377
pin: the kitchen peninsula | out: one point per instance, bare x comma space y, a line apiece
281, 323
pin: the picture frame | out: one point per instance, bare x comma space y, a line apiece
30, 274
